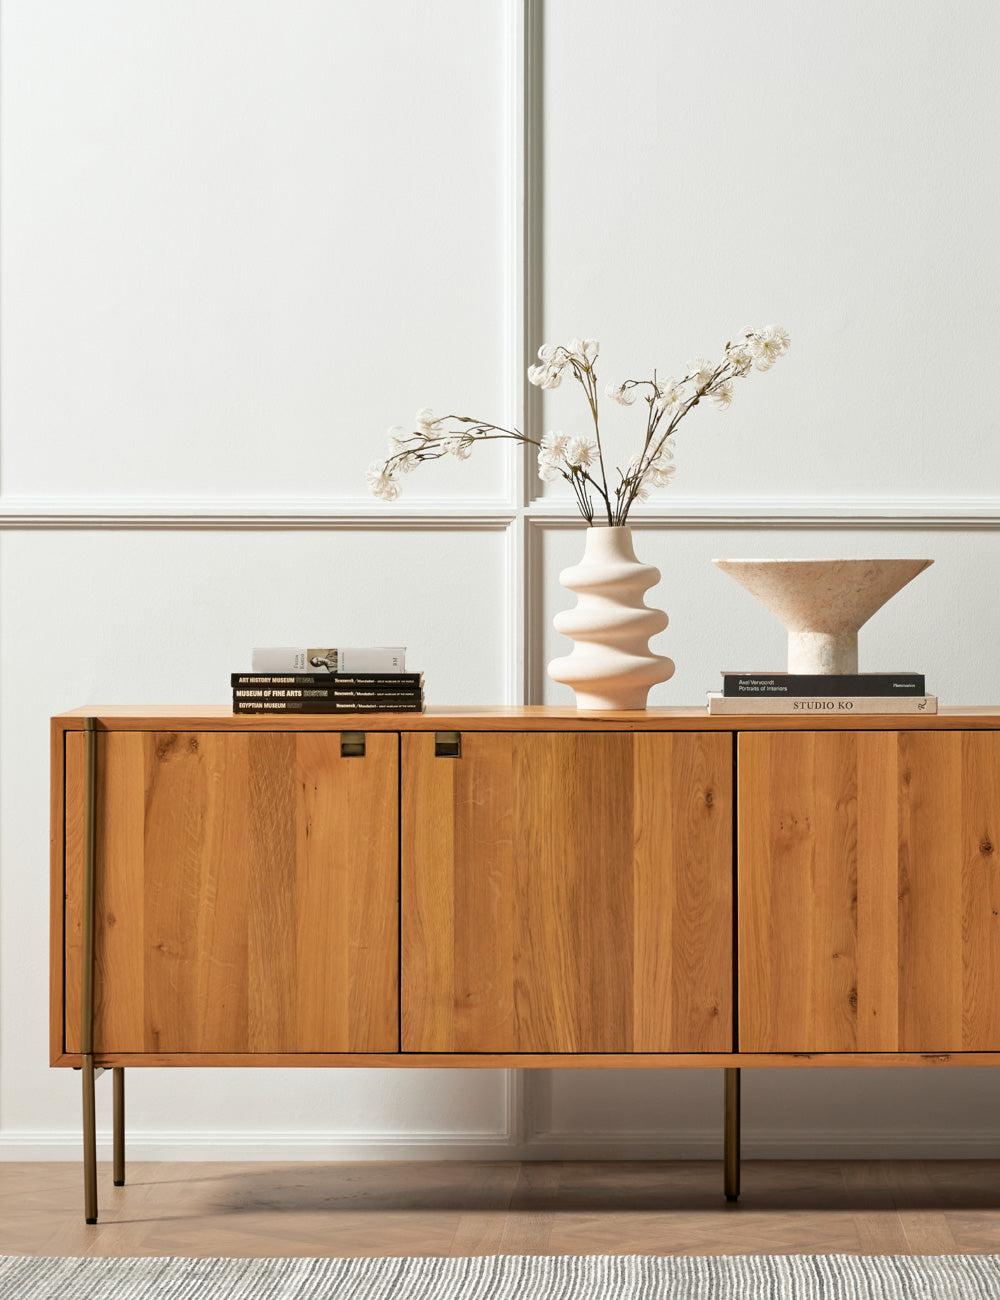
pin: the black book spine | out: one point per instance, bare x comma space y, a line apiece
777, 684
343, 680
321, 694
323, 706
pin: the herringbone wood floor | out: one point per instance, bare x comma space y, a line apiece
880, 1207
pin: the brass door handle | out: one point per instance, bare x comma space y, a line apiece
447, 744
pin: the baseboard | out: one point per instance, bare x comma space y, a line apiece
259, 1144
697, 1144
768, 1144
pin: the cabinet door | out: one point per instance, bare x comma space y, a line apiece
567, 892
869, 891
246, 893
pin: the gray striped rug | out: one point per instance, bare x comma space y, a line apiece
509, 1277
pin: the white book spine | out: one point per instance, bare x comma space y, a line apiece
361, 659
821, 705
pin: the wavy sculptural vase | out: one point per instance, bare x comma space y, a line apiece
611, 665
823, 603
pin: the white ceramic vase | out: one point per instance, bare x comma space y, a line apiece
611, 665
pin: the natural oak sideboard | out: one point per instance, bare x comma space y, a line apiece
521, 887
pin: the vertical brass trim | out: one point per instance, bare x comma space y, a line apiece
87, 974
731, 1135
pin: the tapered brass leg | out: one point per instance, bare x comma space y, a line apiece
731, 1139
89, 1141
118, 1084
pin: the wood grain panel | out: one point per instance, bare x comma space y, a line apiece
246, 893
869, 898
567, 893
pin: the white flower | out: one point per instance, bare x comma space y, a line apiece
459, 446
586, 348
547, 352
381, 482
579, 453
398, 440
552, 455
738, 356
722, 395
700, 372
548, 375
554, 444
424, 420
660, 472
668, 395
621, 394
767, 345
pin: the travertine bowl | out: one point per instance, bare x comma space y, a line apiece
823, 603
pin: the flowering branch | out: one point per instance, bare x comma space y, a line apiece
578, 460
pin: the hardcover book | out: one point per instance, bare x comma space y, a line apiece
753, 684
363, 659
815, 705
326, 706
386, 681
321, 693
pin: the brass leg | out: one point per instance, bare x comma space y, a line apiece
89, 1142
731, 1141
118, 1084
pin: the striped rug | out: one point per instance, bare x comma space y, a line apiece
509, 1277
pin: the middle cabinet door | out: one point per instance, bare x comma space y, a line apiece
567, 892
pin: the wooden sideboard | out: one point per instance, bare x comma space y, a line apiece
521, 887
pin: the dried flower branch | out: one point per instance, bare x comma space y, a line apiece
578, 460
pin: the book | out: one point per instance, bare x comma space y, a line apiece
806, 705
326, 706
321, 693
384, 681
362, 659
755, 684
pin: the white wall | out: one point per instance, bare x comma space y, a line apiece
241, 239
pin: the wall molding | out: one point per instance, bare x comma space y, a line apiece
346, 512
262, 1144
751, 512
284, 512
654, 1144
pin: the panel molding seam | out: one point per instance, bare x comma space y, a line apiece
300, 512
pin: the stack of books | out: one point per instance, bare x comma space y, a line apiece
303, 680
817, 693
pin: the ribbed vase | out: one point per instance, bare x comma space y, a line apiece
611, 665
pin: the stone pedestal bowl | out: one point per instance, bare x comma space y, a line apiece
823, 603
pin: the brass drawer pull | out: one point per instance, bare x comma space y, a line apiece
447, 744
352, 744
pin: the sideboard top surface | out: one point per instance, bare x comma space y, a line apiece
535, 717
